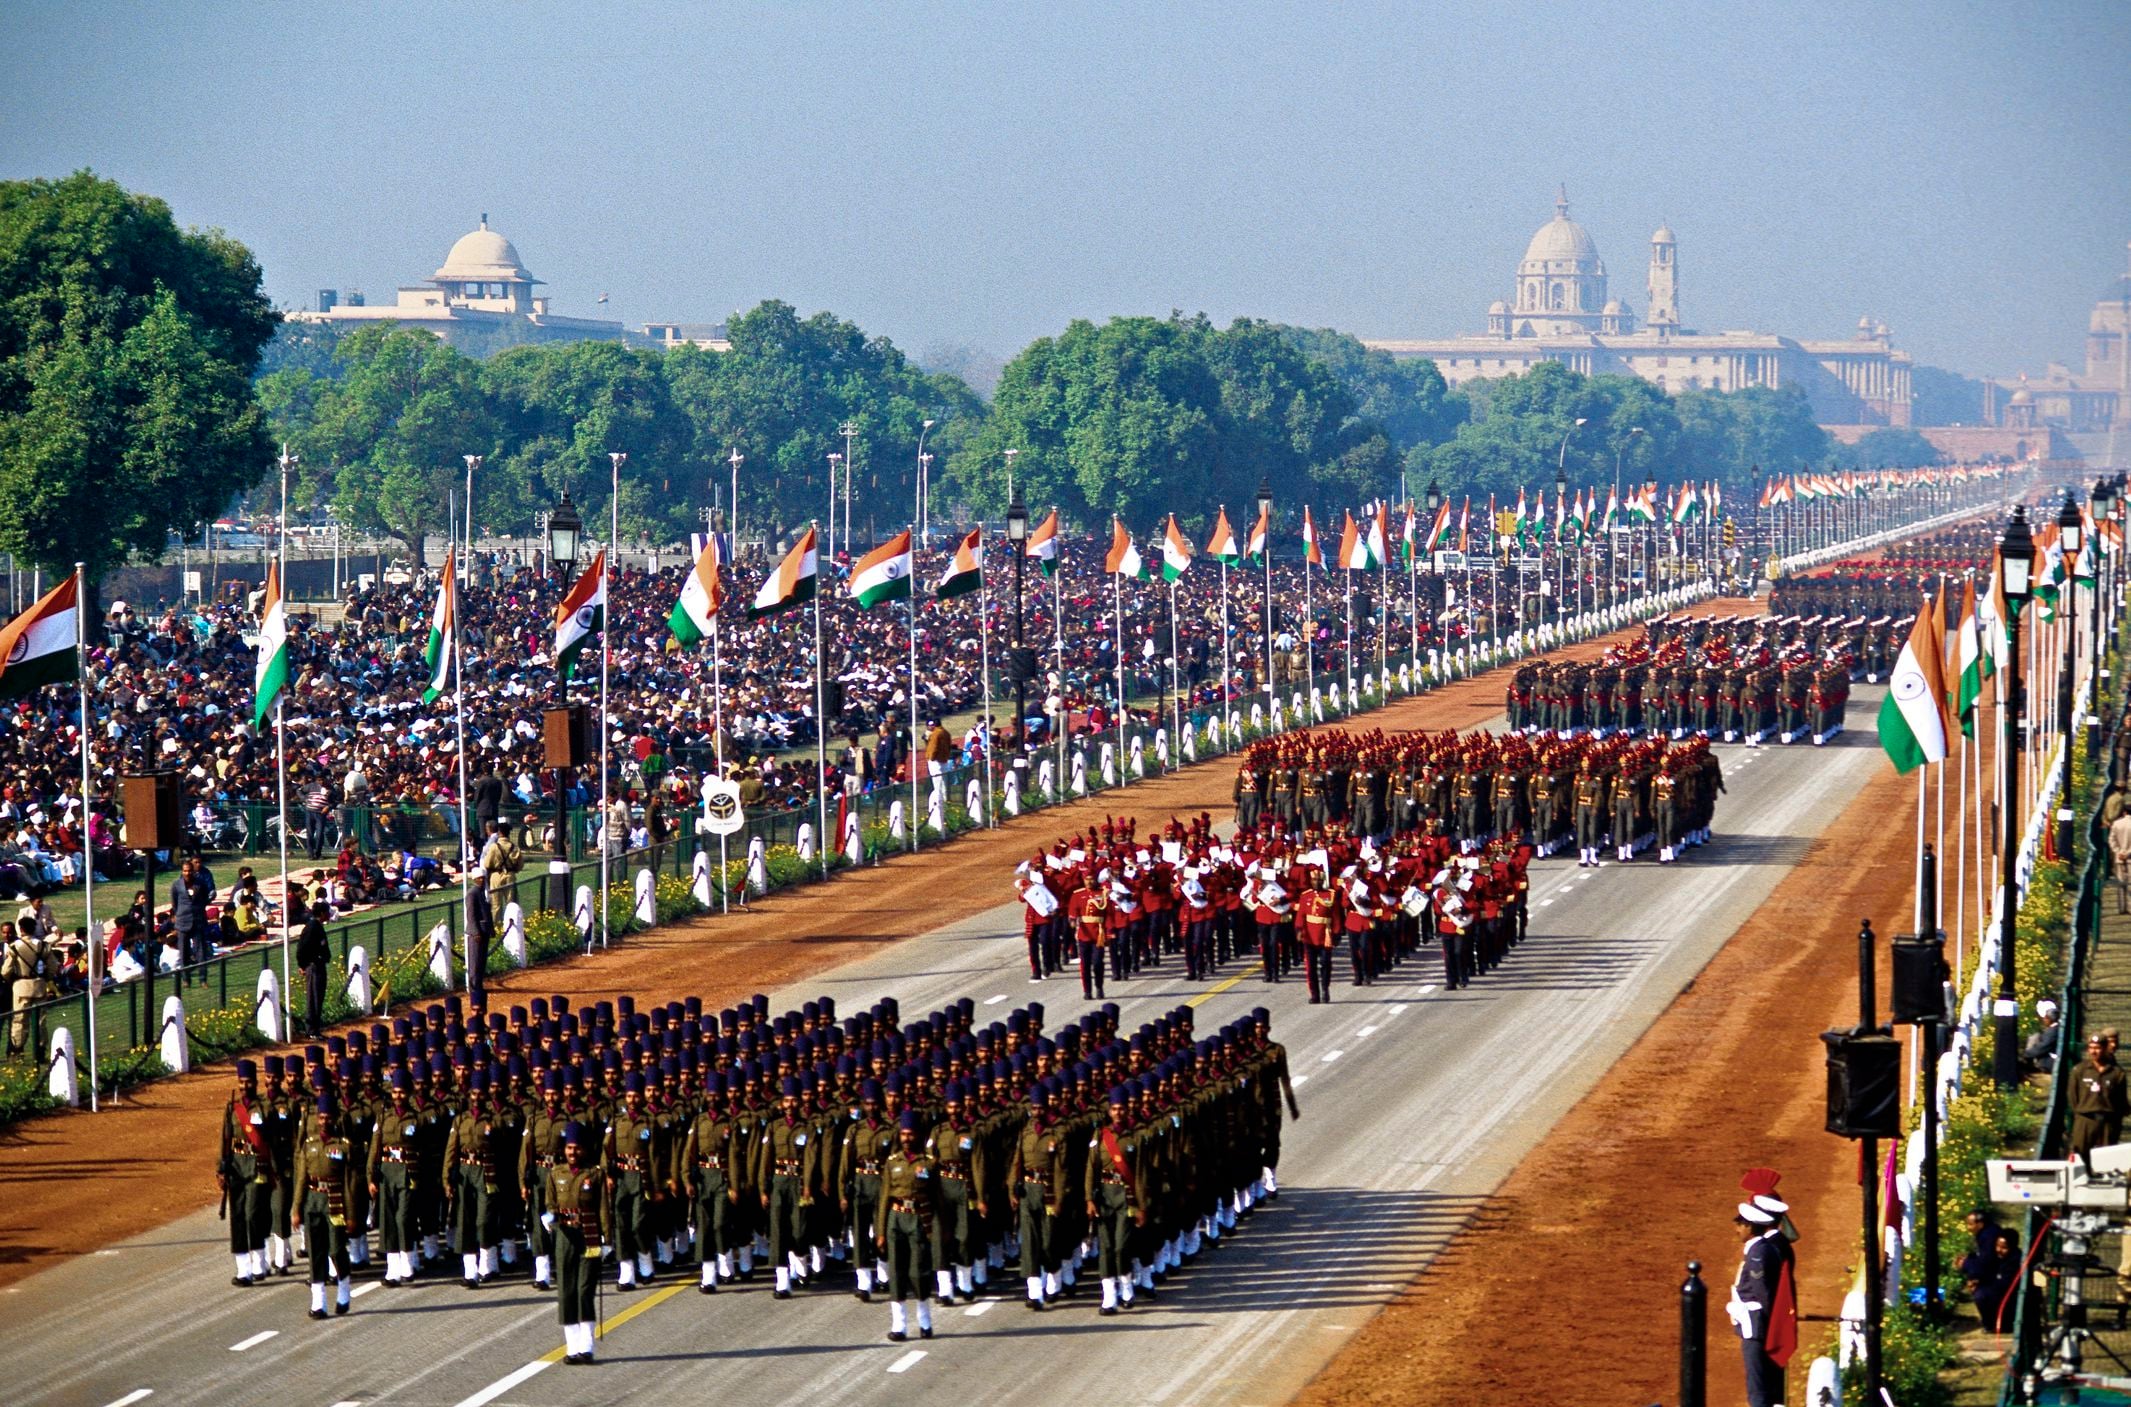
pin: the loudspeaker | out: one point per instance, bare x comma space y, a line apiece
152, 819
832, 698
568, 736
1020, 664
1920, 975
1864, 1085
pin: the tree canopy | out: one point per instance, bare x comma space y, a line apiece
126, 352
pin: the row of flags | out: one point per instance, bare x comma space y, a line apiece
1853, 483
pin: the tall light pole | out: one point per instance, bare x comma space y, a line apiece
1017, 533
565, 531
924, 498
1265, 515
2016, 555
2069, 535
732, 509
835, 459
849, 430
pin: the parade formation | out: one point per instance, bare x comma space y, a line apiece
910, 1161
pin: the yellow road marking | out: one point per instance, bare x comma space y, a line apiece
1214, 991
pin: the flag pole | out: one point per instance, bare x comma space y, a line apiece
821, 739
606, 654
1270, 697
1117, 616
717, 747
1176, 698
458, 711
1383, 608
281, 743
1348, 568
984, 671
1065, 709
1227, 663
1309, 623
95, 953
914, 708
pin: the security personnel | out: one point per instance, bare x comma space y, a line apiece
581, 1220
786, 1159
903, 1215
1036, 1186
1115, 1189
2098, 1099
245, 1170
326, 1169
391, 1170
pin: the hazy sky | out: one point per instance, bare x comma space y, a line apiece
979, 174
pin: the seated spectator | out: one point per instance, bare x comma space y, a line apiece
2040, 1052
1988, 1276
245, 923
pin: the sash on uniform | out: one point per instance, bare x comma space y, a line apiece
1117, 1159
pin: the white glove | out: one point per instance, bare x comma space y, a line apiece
547, 1220
1742, 1316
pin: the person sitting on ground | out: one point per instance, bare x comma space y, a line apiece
1987, 1276
2040, 1052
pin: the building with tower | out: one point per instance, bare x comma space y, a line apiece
2092, 407
1561, 312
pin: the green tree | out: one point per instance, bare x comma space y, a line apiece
126, 351
1516, 438
1406, 398
1888, 449
1729, 434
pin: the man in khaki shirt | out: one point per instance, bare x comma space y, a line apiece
2120, 853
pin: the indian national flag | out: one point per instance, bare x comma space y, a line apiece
1518, 514
1222, 545
1572, 516
1043, 543
583, 611
1261, 535
271, 675
1176, 553
1312, 555
443, 633
1409, 535
1683, 507
1612, 509
1379, 550
695, 615
1124, 558
1912, 719
792, 582
1968, 662
1643, 506
1439, 530
884, 573
1353, 551
1465, 525
40, 646
1991, 616
966, 572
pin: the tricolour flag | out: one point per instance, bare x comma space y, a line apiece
1353, 549
1912, 718
40, 646
966, 572
1684, 506
1379, 550
1176, 553
1643, 506
442, 635
1572, 515
695, 615
1261, 535
1612, 508
1312, 556
1439, 530
1465, 524
1968, 662
1043, 543
1124, 558
884, 573
1991, 616
583, 611
793, 581
1517, 516
1222, 545
271, 675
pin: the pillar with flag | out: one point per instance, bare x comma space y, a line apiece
582, 613
693, 620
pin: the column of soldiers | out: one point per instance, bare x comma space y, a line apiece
1739, 680
920, 1158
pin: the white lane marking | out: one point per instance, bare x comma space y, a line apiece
365, 1288
1366, 1031
113, 1253
1299, 1081
907, 1361
134, 1396
504, 1384
1332, 1055
1401, 1006
1544, 902
255, 1340
980, 1307
994, 1001
350, 1403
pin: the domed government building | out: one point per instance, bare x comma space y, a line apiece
1561, 311
483, 296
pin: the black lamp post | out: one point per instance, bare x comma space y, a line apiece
2070, 536
1265, 516
2016, 563
565, 533
2104, 490
1017, 533
1434, 499
1561, 543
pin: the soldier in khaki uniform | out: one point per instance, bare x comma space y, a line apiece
393, 1159
631, 1164
325, 1170
245, 1169
709, 1162
863, 1152
581, 1217
1036, 1184
903, 1217
28, 965
1115, 1189
959, 1160
786, 1157
539, 1153
470, 1173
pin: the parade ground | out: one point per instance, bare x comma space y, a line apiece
1417, 1105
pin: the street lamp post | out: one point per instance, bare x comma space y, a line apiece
835, 459
924, 498
732, 509
1265, 516
565, 530
2103, 490
2016, 555
1433, 499
1017, 532
2069, 534
1561, 543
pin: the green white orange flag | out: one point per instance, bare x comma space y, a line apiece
1912, 718
443, 633
1643, 506
1612, 509
1409, 536
966, 572
1261, 535
1353, 547
695, 615
1124, 558
1222, 545
1439, 530
884, 573
792, 583
1991, 616
1312, 556
271, 674
583, 611
1043, 544
1685, 506
1968, 662
40, 646
1176, 553
1379, 550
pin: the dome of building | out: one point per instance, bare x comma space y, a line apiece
1613, 307
1498, 306
1663, 235
1561, 240
2023, 396
483, 256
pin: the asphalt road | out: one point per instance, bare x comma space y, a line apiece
1416, 1103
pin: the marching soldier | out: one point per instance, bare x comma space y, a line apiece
959, 1167
540, 1152
1115, 1189
325, 1171
470, 1164
903, 1213
581, 1219
634, 1174
1665, 804
785, 1163
867, 1142
246, 1173
1316, 912
393, 1163
1036, 1186
710, 1164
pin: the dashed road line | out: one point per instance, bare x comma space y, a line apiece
132, 1397
1332, 1055
255, 1340
1366, 1031
907, 1361
510, 1380
994, 1001
980, 1307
